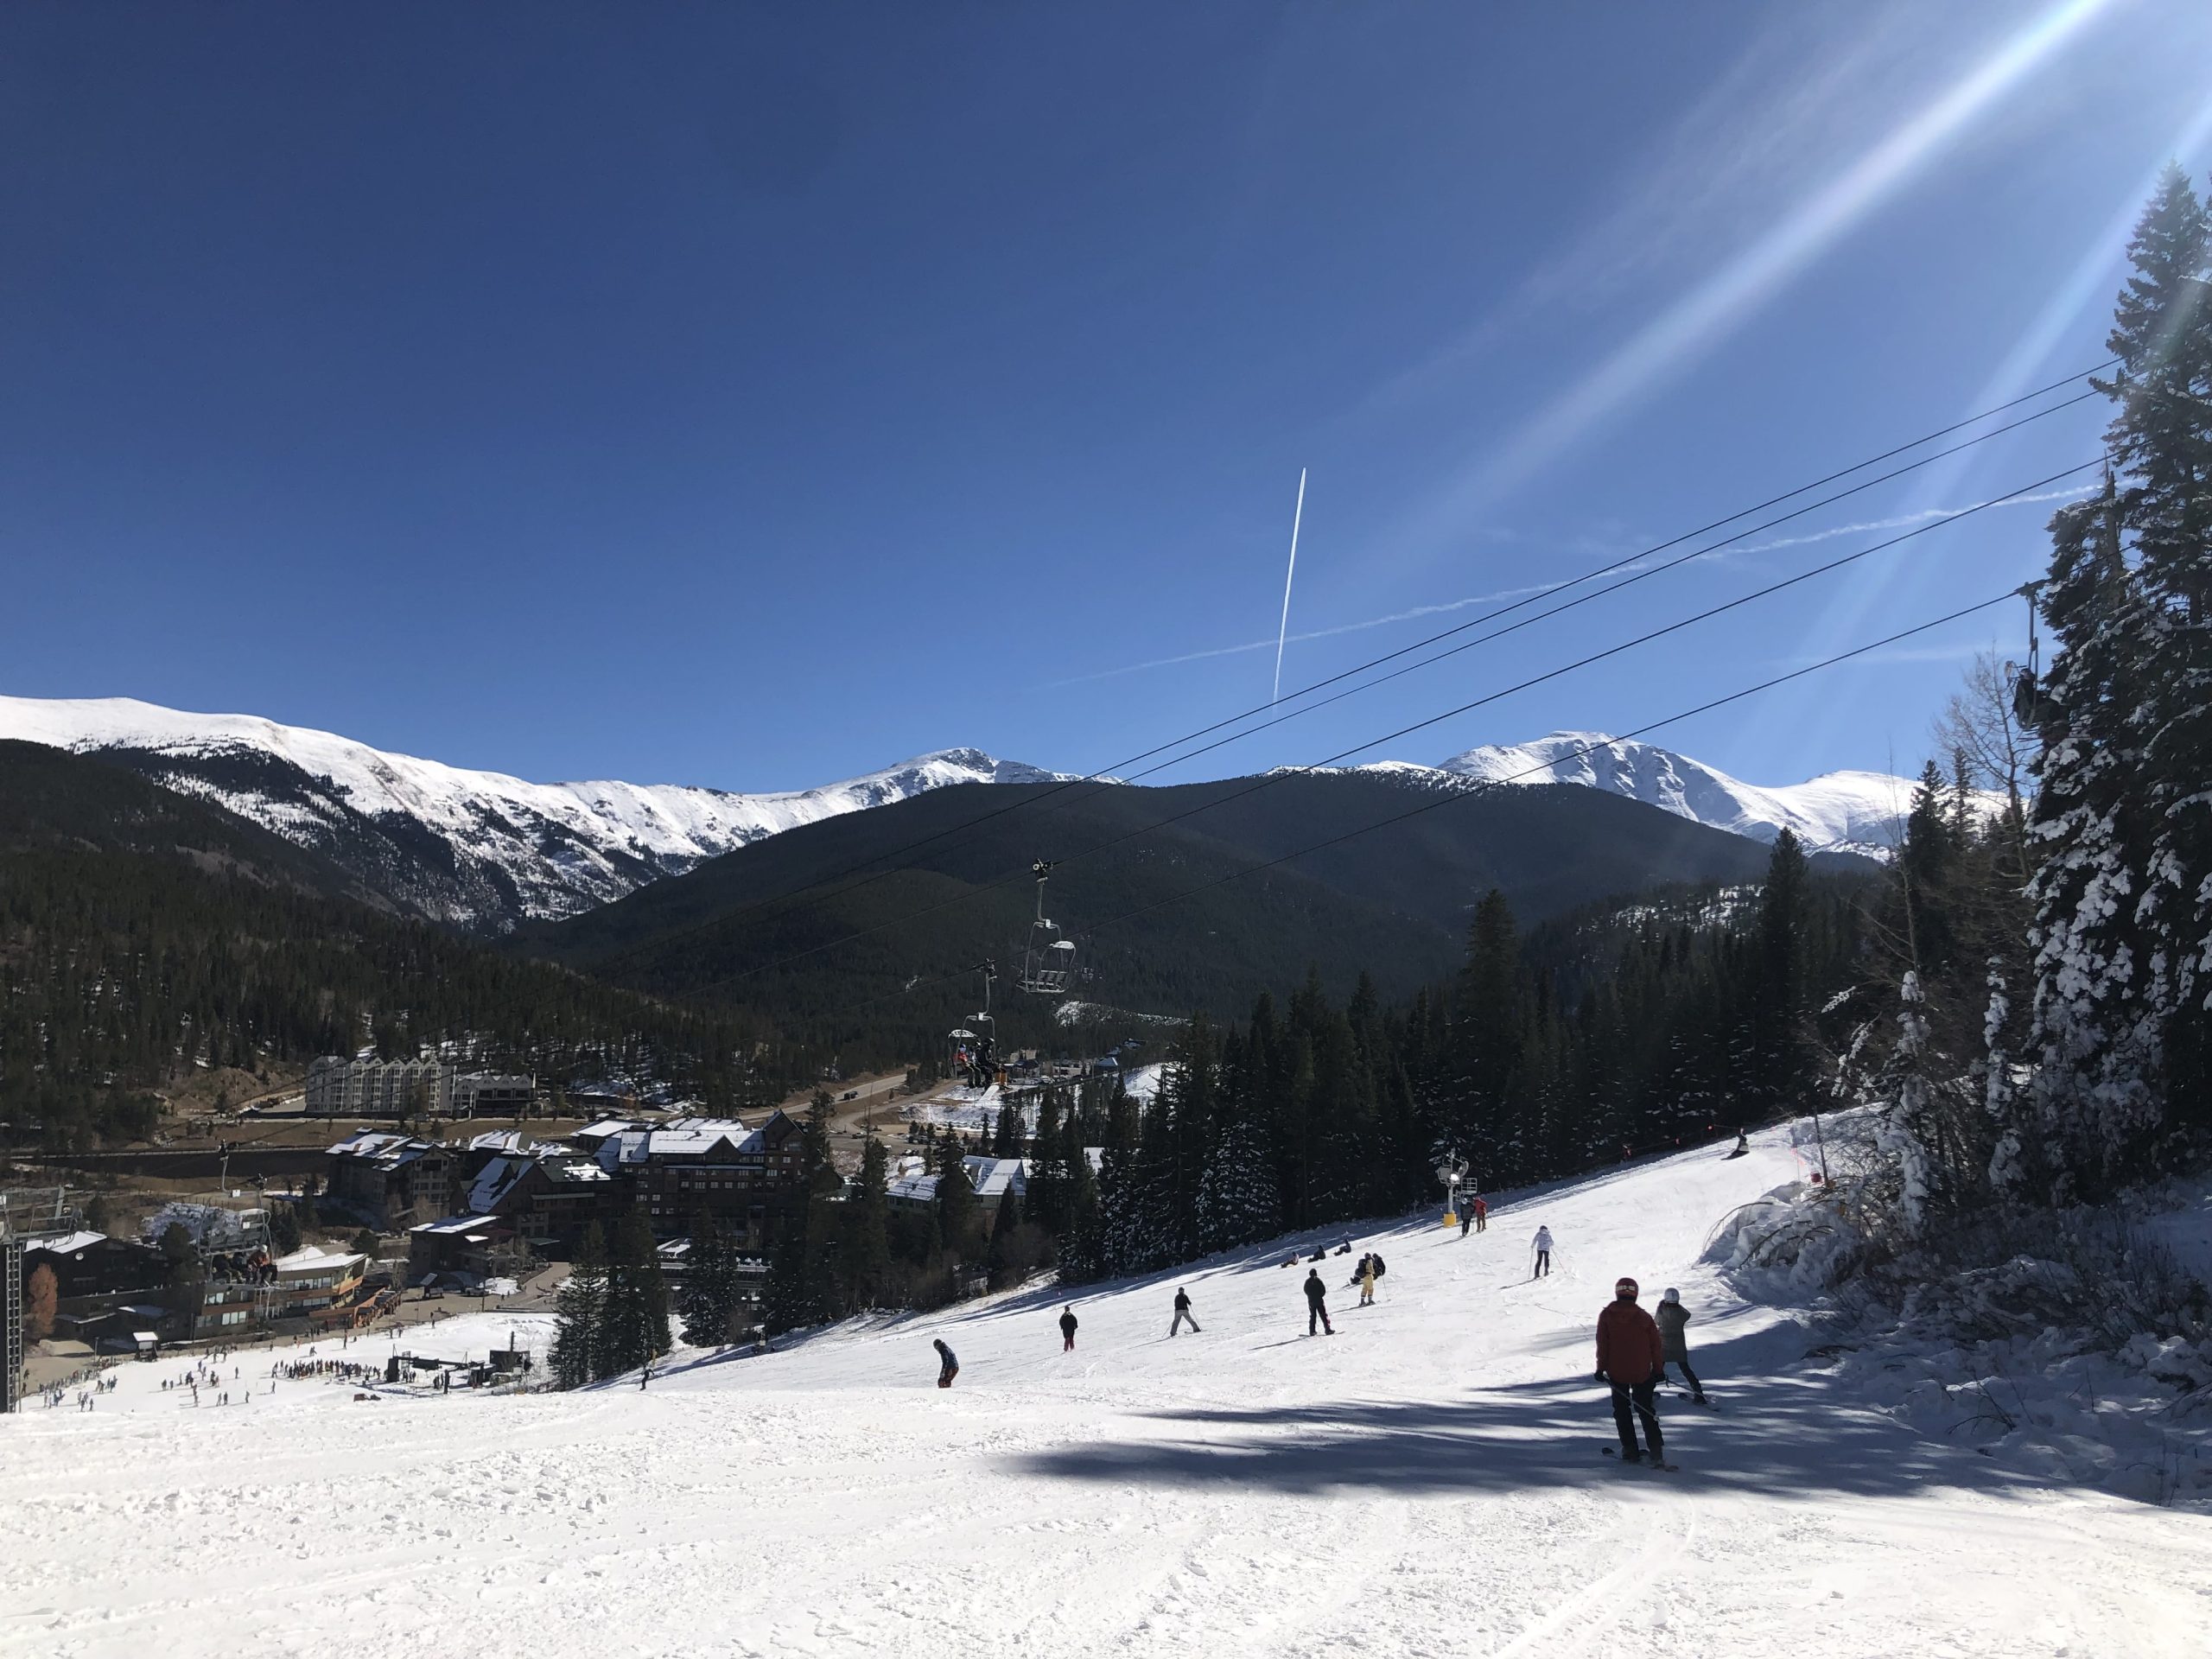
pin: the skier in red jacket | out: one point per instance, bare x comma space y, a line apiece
1630, 1358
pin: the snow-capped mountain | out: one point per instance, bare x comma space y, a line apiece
1839, 811
479, 849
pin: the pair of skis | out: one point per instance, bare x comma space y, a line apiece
1635, 1463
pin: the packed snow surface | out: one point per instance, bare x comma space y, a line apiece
1839, 811
1426, 1481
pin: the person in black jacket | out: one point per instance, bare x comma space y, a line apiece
951, 1367
1182, 1311
1316, 1303
1067, 1330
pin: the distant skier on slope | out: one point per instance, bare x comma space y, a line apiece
1367, 1281
1067, 1330
1317, 1303
1543, 1254
1482, 1214
1674, 1344
1466, 1219
1182, 1311
951, 1367
1630, 1356
1743, 1144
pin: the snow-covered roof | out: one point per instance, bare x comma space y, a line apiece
606, 1127
495, 1180
310, 1258
499, 1140
991, 1177
914, 1189
687, 1137
456, 1226
382, 1147
64, 1244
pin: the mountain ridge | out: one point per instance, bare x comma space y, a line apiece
487, 851
478, 850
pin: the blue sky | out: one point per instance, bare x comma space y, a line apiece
753, 396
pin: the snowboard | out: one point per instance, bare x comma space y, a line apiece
1614, 1452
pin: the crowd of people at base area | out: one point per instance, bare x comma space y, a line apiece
333, 1370
55, 1397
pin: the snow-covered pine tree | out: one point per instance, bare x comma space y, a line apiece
2161, 442
1911, 1131
1237, 1193
2094, 1039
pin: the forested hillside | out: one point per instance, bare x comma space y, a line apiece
768, 927
144, 936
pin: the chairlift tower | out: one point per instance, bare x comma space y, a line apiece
1452, 1171
11, 1311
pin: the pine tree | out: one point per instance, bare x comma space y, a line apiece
1912, 1129
868, 1241
712, 1293
1237, 1195
1000, 1256
633, 1322
2093, 1036
2161, 441
957, 1215
580, 1312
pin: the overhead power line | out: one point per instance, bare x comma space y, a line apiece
877, 867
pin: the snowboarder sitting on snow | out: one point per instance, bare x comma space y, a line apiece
1674, 1345
1067, 1330
1630, 1356
1182, 1311
1344, 1249
951, 1367
1543, 1253
1321, 1255
1317, 1303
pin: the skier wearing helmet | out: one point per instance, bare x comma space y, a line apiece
1674, 1346
1630, 1357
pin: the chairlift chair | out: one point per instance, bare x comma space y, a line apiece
1047, 960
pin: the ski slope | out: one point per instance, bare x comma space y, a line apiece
1426, 1481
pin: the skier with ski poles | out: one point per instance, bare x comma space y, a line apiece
1674, 1344
1543, 1246
1317, 1303
1630, 1357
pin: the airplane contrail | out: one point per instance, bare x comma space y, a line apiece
1282, 633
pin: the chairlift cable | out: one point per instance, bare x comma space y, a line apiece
1108, 775
1270, 779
